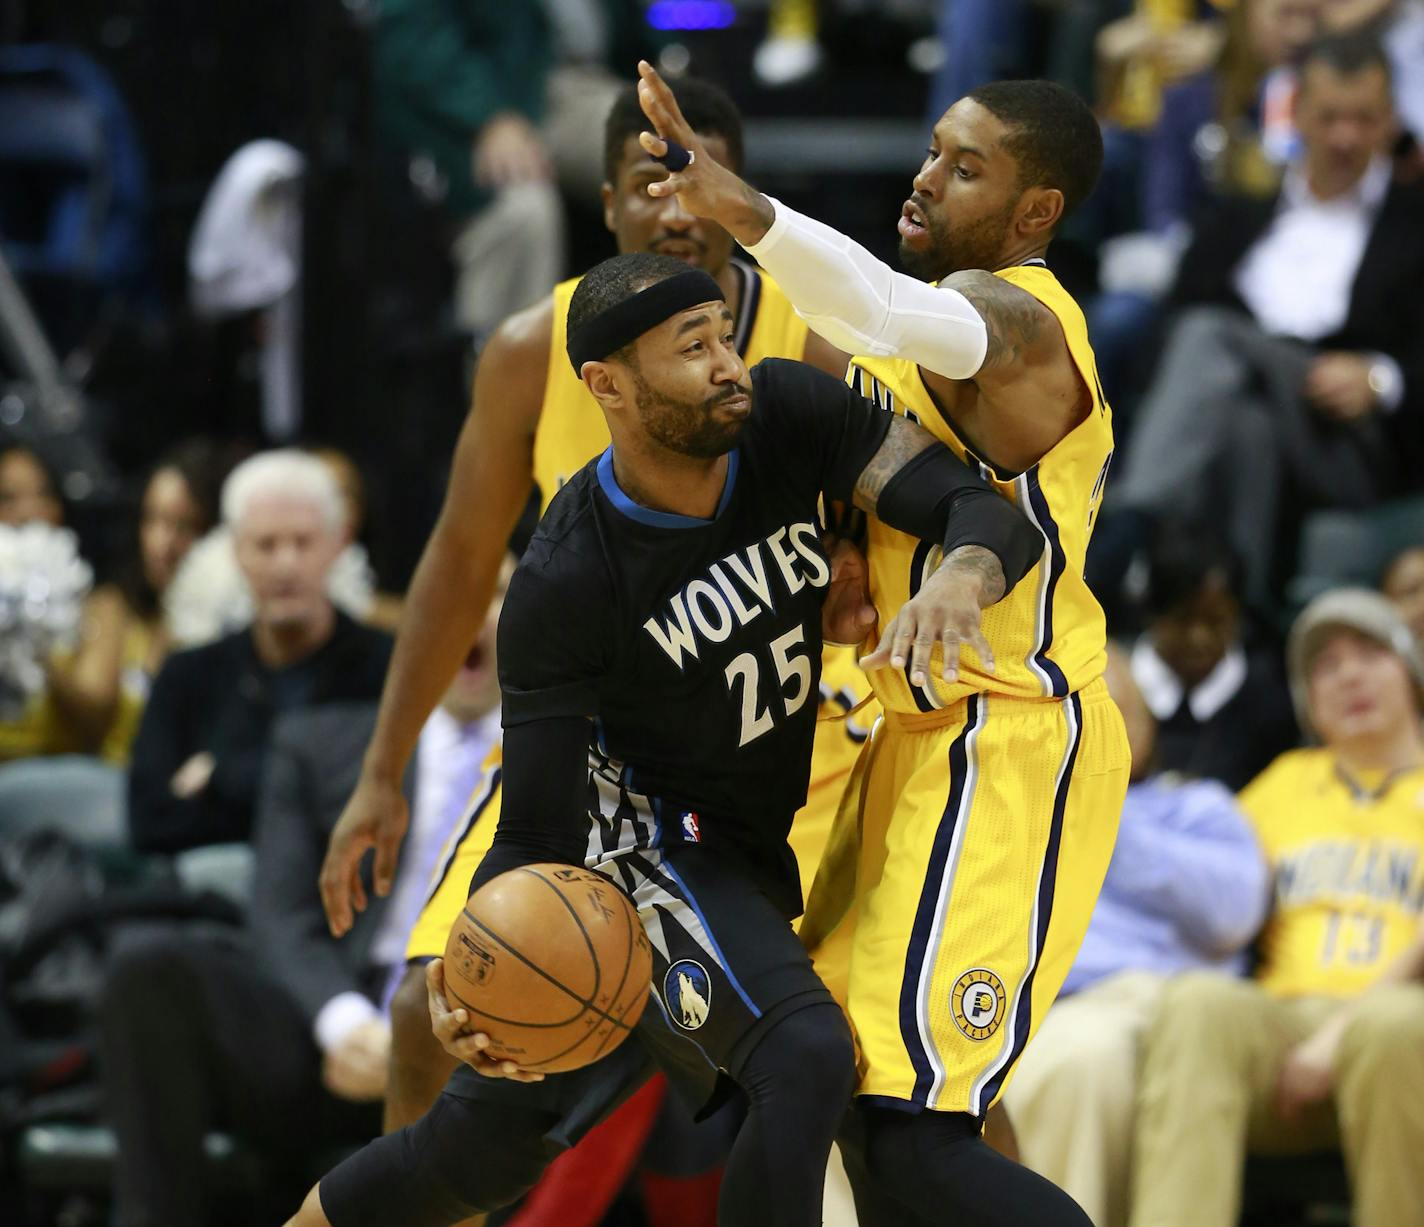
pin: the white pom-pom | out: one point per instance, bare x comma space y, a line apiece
43, 583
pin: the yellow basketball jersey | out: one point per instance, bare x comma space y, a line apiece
1048, 635
1348, 864
571, 428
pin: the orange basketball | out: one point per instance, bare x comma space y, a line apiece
552, 964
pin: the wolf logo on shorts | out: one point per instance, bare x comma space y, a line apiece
687, 991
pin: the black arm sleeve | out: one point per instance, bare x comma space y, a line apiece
543, 812
937, 497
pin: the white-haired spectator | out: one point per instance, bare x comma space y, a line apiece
200, 748
211, 595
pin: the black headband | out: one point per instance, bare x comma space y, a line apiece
624, 322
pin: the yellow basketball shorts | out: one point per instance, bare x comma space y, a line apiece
958, 884
459, 858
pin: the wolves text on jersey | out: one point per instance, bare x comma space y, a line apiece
738, 589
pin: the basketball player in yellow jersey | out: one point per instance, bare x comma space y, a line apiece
533, 420
961, 877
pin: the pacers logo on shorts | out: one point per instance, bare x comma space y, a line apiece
687, 993
978, 1002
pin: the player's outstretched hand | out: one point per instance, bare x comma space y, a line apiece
704, 187
947, 611
375, 817
451, 1029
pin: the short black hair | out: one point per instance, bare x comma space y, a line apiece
706, 108
1348, 53
1183, 556
614, 280
1052, 133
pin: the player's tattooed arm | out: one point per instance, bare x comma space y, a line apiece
1020, 328
976, 563
902, 443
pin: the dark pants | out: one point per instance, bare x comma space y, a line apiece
1225, 430
196, 1038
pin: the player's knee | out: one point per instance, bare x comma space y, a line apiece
811, 1052
482, 1160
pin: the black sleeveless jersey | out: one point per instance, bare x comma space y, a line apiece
694, 645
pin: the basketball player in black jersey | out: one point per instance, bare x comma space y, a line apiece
659, 657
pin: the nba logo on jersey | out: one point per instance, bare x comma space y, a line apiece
687, 993
691, 832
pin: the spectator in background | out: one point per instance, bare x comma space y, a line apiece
385, 608
27, 489
1186, 890
497, 101
202, 741
1403, 584
1222, 708
1399, 25
100, 689
1227, 126
1343, 830
1295, 367
282, 1035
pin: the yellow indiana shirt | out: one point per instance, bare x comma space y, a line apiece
571, 428
1348, 861
1048, 635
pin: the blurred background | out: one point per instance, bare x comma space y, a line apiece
230, 228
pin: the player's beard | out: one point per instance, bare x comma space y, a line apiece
975, 244
690, 428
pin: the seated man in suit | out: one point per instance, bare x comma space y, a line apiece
1295, 365
201, 744
279, 1034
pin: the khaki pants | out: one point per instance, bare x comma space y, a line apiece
1073, 1099
1207, 1087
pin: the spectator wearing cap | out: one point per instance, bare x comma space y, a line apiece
1293, 370
1186, 890
1325, 1046
202, 742
1221, 704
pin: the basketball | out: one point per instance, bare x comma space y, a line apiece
552, 963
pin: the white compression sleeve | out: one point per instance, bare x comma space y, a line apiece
864, 307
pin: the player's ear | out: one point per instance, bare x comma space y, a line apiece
609, 222
1040, 210
599, 379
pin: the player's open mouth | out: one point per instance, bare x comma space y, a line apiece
680, 249
912, 222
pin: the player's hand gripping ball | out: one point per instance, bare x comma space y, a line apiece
552, 964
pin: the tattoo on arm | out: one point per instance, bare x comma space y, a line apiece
977, 561
902, 443
1014, 318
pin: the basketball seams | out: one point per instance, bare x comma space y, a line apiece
577, 919
628, 922
611, 1020
539, 971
